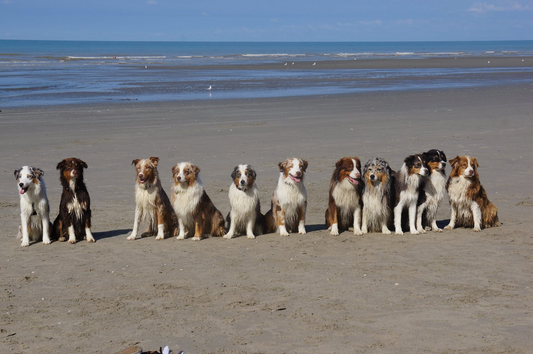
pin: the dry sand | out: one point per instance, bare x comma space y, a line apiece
453, 292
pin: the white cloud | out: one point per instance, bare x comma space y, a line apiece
483, 7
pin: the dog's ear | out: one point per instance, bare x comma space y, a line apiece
155, 160
195, 169
60, 165
38, 172
234, 173
17, 172
339, 163
443, 156
83, 164
409, 160
305, 164
250, 171
175, 169
135, 162
454, 161
474, 161
282, 166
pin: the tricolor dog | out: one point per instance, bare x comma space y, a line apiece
407, 184
433, 191
74, 219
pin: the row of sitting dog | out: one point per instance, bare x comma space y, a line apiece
371, 199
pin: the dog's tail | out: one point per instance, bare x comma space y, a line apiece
218, 225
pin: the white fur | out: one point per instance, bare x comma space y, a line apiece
186, 199
33, 199
243, 209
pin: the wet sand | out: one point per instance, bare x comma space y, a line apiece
452, 292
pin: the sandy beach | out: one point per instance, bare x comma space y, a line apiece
452, 292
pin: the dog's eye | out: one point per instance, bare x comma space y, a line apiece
186, 172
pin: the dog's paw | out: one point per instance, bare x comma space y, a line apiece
46, 241
160, 237
414, 232
449, 227
437, 230
250, 236
399, 232
71, 241
302, 231
181, 237
24, 244
196, 238
477, 229
62, 239
358, 232
421, 231
228, 236
283, 233
132, 237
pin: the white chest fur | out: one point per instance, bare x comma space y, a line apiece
186, 199
74, 206
346, 196
243, 203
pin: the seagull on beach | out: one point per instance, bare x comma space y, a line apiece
209, 88
314, 64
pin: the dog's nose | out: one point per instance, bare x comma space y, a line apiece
178, 178
298, 174
372, 177
242, 182
21, 185
141, 176
357, 175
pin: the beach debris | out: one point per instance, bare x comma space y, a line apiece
285, 64
135, 349
315, 63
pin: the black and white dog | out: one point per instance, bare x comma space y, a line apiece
34, 208
245, 214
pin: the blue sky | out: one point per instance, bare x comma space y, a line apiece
267, 20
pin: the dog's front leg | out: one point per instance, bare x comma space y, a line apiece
412, 219
476, 214
25, 220
198, 231
281, 222
46, 229
250, 228
231, 230
301, 217
88, 233
357, 222
71, 234
138, 214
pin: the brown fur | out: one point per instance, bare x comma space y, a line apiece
474, 191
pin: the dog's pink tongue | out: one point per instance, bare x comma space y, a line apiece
22, 191
295, 179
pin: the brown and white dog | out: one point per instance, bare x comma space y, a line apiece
151, 202
195, 210
468, 200
74, 219
245, 214
289, 201
378, 196
34, 207
433, 191
407, 184
345, 197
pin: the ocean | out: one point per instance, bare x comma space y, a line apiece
72, 72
